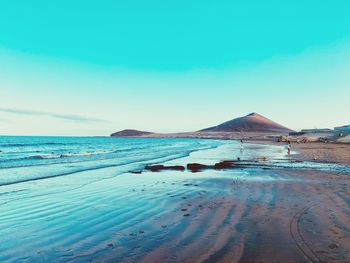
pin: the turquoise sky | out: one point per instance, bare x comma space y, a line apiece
93, 67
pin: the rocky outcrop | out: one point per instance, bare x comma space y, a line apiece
197, 167
160, 167
227, 164
130, 133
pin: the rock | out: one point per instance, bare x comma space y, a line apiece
225, 165
333, 246
196, 167
176, 167
154, 168
160, 167
136, 172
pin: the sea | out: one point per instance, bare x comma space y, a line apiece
32, 158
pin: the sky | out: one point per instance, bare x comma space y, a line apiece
96, 67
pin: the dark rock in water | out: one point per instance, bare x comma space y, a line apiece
154, 168
175, 167
160, 167
196, 167
225, 165
136, 172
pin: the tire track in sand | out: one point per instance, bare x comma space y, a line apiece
297, 236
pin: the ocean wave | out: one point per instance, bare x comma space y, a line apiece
37, 144
55, 156
156, 158
63, 155
58, 158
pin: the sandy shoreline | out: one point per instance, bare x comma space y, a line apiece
334, 152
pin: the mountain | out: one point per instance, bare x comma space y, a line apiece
253, 122
130, 133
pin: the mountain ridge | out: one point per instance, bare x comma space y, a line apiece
252, 122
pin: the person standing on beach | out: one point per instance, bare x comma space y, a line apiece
289, 148
242, 148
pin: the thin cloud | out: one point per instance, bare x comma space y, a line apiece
69, 117
4, 120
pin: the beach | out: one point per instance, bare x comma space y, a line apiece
275, 210
333, 151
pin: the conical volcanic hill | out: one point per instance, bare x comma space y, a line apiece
253, 122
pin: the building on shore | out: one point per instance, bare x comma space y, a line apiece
326, 130
311, 131
342, 129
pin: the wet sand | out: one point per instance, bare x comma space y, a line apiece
288, 217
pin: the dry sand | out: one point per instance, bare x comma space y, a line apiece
323, 152
316, 151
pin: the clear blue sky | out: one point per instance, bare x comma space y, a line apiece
93, 67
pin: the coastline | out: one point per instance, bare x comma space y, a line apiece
331, 152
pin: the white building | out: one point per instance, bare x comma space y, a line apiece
325, 130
